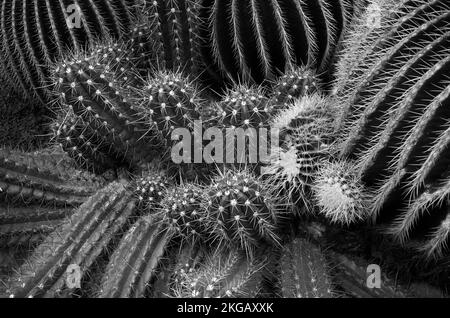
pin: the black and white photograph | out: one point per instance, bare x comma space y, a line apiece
249, 150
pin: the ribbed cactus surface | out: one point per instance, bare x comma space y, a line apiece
394, 90
258, 40
33, 34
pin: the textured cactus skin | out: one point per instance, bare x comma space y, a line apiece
241, 211
395, 118
149, 189
304, 272
80, 239
305, 129
173, 31
224, 275
182, 211
170, 100
20, 226
41, 179
36, 33
294, 84
250, 40
100, 115
135, 261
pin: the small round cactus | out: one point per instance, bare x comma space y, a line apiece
339, 195
182, 210
150, 189
170, 100
294, 84
241, 212
245, 106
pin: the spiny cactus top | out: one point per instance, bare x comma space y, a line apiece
395, 94
258, 40
35, 33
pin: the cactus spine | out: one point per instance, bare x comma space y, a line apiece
304, 272
250, 40
36, 33
395, 118
224, 275
80, 239
101, 114
35, 178
135, 261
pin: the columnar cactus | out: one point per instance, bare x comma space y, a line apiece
77, 243
395, 122
136, 260
173, 31
223, 275
304, 272
248, 40
339, 194
41, 179
101, 114
242, 212
33, 34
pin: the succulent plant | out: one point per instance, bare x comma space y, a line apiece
256, 41
223, 275
34, 34
394, 123
304, 271
242, 212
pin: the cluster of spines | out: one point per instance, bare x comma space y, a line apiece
33, 35
256, 41
293, 85
182, 209
227, 274
304, 271
78, 242
305, 129
173, 31
339, 194
395, 118
170, 100
101, 113
149, 189
242, 212
40, 179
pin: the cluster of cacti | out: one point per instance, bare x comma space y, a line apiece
134, 201
35, 33
393, 92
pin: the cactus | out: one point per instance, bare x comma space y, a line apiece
99, 113
135, 261
173, 33
78, 242
305, 129
339, 194
41, 179
242, 212
171, 100
182, 211
149, 189
304, 272
256, 41
293, 85
224, 275
36, 33
394, 122
245, 106
20, 226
